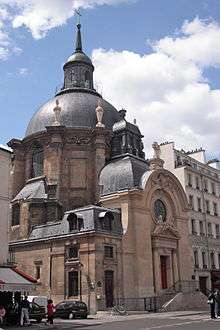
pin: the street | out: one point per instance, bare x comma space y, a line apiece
168, 321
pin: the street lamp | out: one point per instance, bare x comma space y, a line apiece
80, 279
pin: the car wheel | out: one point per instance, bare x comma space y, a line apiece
71, 316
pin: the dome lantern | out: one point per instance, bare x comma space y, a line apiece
78, 70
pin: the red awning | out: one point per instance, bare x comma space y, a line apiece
13, 279
23, 274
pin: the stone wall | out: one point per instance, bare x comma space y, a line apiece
5, 158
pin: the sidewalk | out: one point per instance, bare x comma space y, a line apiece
105, 315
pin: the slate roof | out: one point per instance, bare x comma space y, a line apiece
32, 190
122, 174
78, 110
91, 221
125, 125
79, 57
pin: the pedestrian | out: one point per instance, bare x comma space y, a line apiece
211, 302
25, 306
2, 314
50, 311
217, 300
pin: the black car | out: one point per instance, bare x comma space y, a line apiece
71, 309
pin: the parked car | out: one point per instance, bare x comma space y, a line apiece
36, 312
39, 300
71, 309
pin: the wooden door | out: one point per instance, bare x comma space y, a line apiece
203, 284
163, 267
109, 288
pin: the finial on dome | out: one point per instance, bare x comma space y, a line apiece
99, 114
57, 110
78, 37
122, 113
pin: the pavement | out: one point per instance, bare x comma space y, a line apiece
193, 320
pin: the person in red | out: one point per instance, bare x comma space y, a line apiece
50, 311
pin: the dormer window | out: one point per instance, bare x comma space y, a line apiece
106, 219
72, 219
75, 222
37, 168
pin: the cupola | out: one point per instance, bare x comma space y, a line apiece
78, 70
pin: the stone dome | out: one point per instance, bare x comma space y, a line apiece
78, 57
78, 99
122, 174
78, 110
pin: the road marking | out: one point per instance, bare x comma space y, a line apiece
174, 325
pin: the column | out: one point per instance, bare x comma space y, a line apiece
157, 271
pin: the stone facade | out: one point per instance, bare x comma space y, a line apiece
5, 158
200, 180
93, 219
146, 239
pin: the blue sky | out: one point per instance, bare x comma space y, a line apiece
32, 69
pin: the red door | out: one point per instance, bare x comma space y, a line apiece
163, 267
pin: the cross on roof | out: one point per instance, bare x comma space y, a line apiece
78, 13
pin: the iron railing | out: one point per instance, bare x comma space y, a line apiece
152, 303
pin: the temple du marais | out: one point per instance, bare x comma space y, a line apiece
93, 218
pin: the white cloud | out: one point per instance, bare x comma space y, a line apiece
23, 71
39, 16
198, 44
42, 15
166, 90
7, 46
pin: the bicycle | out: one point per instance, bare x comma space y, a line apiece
119, 309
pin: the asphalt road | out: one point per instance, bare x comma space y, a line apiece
154, 322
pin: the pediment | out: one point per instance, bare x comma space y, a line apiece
166, 230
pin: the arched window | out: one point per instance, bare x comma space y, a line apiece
37, 162
15, 215
87, 79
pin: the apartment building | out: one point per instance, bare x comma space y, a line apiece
5, 157
201, 181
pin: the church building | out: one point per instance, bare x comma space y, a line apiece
92, 219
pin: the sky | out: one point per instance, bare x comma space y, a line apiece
158, 59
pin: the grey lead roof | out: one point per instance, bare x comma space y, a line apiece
122, 174
78, 110
32, 190
91, 222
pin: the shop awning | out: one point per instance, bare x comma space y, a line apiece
13, 279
